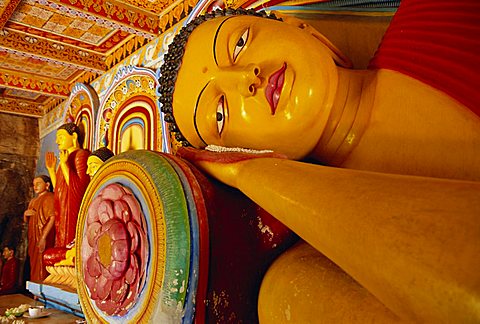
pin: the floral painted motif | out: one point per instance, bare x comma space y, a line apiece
115, 250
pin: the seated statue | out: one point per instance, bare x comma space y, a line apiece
96, 159
411, 118
40, 216
70, 181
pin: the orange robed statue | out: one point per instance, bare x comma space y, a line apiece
40, 216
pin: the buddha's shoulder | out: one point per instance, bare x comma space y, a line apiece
398, 95
82, 153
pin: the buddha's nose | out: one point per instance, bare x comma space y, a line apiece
245, 79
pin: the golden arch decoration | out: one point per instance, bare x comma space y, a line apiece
129, 116
81, 109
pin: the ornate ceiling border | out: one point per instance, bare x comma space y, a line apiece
7, 11
46, 59
124, 51
175, 13
36, 46
122, 17
26, 82
108, 14
22, 107
116, 38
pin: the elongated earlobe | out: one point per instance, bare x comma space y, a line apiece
339, 58
75, 140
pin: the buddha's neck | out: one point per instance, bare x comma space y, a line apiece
72, 149
348, 118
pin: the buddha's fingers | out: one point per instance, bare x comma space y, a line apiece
50, 160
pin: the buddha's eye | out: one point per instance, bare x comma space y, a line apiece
240, 44
220, 115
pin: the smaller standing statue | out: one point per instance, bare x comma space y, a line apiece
9, 279
69, 179
40, 216
97, 159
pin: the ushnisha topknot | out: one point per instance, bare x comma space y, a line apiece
173, 60
103, 153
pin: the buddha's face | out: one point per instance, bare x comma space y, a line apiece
254, 83
93, 164
65, 140
39, 186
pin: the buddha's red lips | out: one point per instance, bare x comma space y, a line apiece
274, 87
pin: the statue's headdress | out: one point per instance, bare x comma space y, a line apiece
102, 153
173, 61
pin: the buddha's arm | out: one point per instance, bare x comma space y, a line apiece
413, 242
29, 212
46, 230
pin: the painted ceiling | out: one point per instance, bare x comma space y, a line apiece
47, 46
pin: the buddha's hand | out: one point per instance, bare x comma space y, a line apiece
50, 161
64, 156
41, 244
224, 166
30, 212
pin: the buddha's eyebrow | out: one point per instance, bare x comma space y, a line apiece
195, 113
215, 39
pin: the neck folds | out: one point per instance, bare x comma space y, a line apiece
349, 116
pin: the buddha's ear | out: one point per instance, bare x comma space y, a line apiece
75, 138
339, 58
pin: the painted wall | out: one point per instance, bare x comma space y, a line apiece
47, 144
149, 56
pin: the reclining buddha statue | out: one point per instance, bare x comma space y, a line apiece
391, 191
